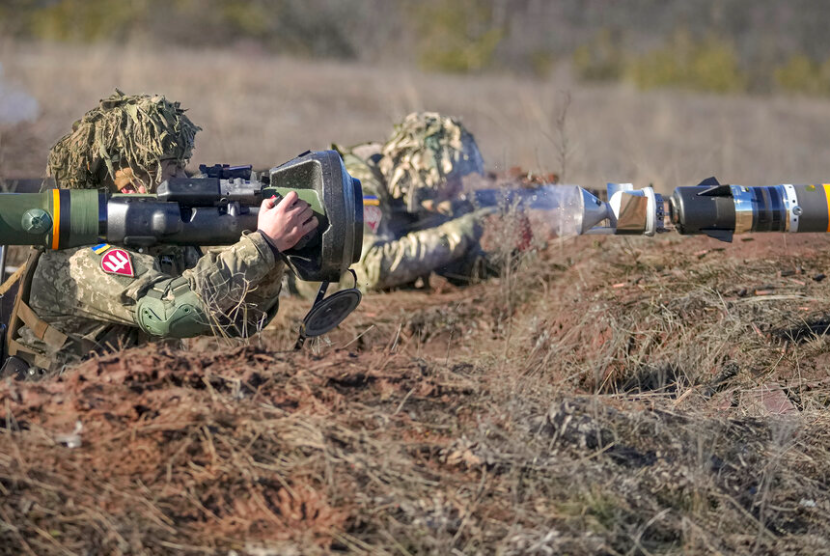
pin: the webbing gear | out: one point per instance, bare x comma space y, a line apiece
42, 330
22, 314
326, 314
7, 289
60, 347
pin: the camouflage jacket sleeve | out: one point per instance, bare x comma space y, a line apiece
387, 263
70, 288
240, 283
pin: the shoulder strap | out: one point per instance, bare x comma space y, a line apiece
31, 357
12, 280
23, 275
50, 335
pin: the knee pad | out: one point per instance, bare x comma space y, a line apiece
175, 312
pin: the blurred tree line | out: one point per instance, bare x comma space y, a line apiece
711, 45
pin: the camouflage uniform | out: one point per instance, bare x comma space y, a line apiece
400, 242
69, 306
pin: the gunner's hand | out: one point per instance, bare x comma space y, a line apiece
471, 225
452, 208
284, 222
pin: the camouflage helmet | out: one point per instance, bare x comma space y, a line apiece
136, 131
423, 152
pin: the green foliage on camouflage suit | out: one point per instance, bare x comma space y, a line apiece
135, 131
423, 153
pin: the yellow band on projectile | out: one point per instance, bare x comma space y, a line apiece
56, 217
827, 196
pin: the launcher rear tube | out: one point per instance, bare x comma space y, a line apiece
54, 219
65, 218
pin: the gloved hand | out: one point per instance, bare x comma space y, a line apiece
127, 182
454, 208
475, 266
470, 225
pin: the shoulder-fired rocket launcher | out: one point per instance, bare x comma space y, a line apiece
713, 209
208, 211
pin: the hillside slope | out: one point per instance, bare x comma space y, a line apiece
611, 396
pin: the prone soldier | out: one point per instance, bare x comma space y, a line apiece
84, 300
413, 226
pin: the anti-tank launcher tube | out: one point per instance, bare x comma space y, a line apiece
206, 211
200, 211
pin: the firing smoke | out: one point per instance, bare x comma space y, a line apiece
557, 211
16, 105
566, 218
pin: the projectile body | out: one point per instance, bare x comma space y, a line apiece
720, 211
628, 211
716, 210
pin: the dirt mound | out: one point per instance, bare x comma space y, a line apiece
611, 396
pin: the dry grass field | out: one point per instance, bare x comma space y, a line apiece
610, 396
264, 110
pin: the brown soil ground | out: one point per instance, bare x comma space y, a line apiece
609, 396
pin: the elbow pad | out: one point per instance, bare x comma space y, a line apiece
175, 312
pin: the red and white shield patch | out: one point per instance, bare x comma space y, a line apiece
117, 261
372, 215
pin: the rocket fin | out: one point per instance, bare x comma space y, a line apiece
720, 235
717, 191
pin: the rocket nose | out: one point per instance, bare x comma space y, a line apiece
593, 211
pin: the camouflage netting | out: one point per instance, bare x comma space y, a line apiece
136, 131
423, 151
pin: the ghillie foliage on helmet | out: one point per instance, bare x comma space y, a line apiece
423, 152
135, 131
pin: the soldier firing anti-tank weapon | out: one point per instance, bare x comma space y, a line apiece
119, 262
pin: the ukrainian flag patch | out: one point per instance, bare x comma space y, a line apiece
100, 248
371, 201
